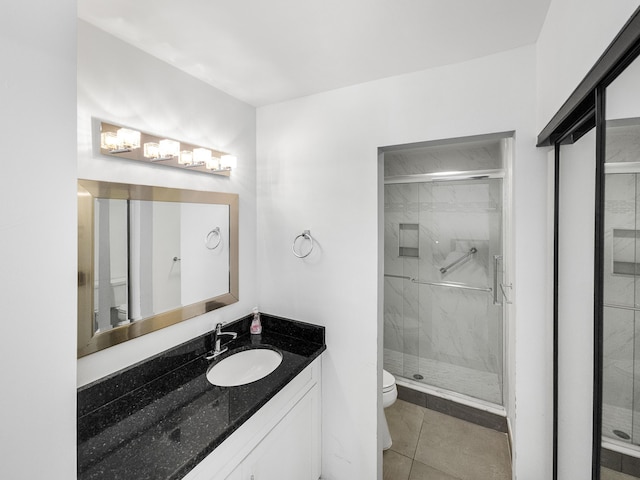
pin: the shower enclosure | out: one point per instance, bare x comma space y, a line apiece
621, 319
444, 285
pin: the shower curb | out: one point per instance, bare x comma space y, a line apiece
620, 462
454, 409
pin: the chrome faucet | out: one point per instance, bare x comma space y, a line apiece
217, 350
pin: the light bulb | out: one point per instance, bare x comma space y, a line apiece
109, 141
186, 157
213, 163
201, 155
169, 148
151, 150
129, 138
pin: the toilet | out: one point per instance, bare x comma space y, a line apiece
389, 396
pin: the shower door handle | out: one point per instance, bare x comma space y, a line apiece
498, 287
496, 260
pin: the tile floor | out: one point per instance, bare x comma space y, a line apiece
428, 445
606, 474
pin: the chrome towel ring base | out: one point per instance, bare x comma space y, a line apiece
306, 235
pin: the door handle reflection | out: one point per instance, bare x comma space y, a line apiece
497, 299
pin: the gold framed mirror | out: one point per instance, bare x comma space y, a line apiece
150, 257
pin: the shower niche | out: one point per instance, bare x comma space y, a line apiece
408, 240
444, 221
623, 258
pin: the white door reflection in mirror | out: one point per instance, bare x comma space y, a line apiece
201, 263
111, 270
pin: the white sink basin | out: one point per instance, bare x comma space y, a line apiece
244, 367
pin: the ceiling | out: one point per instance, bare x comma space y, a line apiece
267, 51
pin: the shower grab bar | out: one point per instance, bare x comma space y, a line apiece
453, 285
398, 276
473, 250
621, 307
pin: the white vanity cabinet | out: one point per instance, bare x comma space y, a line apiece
290, 450
279, 442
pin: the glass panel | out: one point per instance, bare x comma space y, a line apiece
619, 300
442, 327
460, 335
621, 355
400, 208
443, 246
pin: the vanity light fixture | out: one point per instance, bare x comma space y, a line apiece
169, 148
124, 142
151, 150
201, 156
213, 163
186, 157
120, 141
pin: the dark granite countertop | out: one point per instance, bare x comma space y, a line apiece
158, 419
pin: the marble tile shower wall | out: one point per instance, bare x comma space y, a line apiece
446, 158
452, 326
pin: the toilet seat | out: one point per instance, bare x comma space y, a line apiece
389, 396
388, 382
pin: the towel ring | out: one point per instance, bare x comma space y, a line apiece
305, 235
215, 231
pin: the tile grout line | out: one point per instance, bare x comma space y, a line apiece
415, 450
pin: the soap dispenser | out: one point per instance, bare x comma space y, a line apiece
256, 326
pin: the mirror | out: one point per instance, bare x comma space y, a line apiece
620, 454
149, 257
596, 137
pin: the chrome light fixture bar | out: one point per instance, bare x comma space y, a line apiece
124, 142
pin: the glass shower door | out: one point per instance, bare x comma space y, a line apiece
461, 318
621, 270
620, 419
444, 288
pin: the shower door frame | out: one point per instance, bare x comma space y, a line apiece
613, 169
505, 175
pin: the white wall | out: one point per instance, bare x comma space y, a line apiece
318, 169
211, 279
575, 34
38, 239
575, 307
623, 95
121, 84
166, 245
